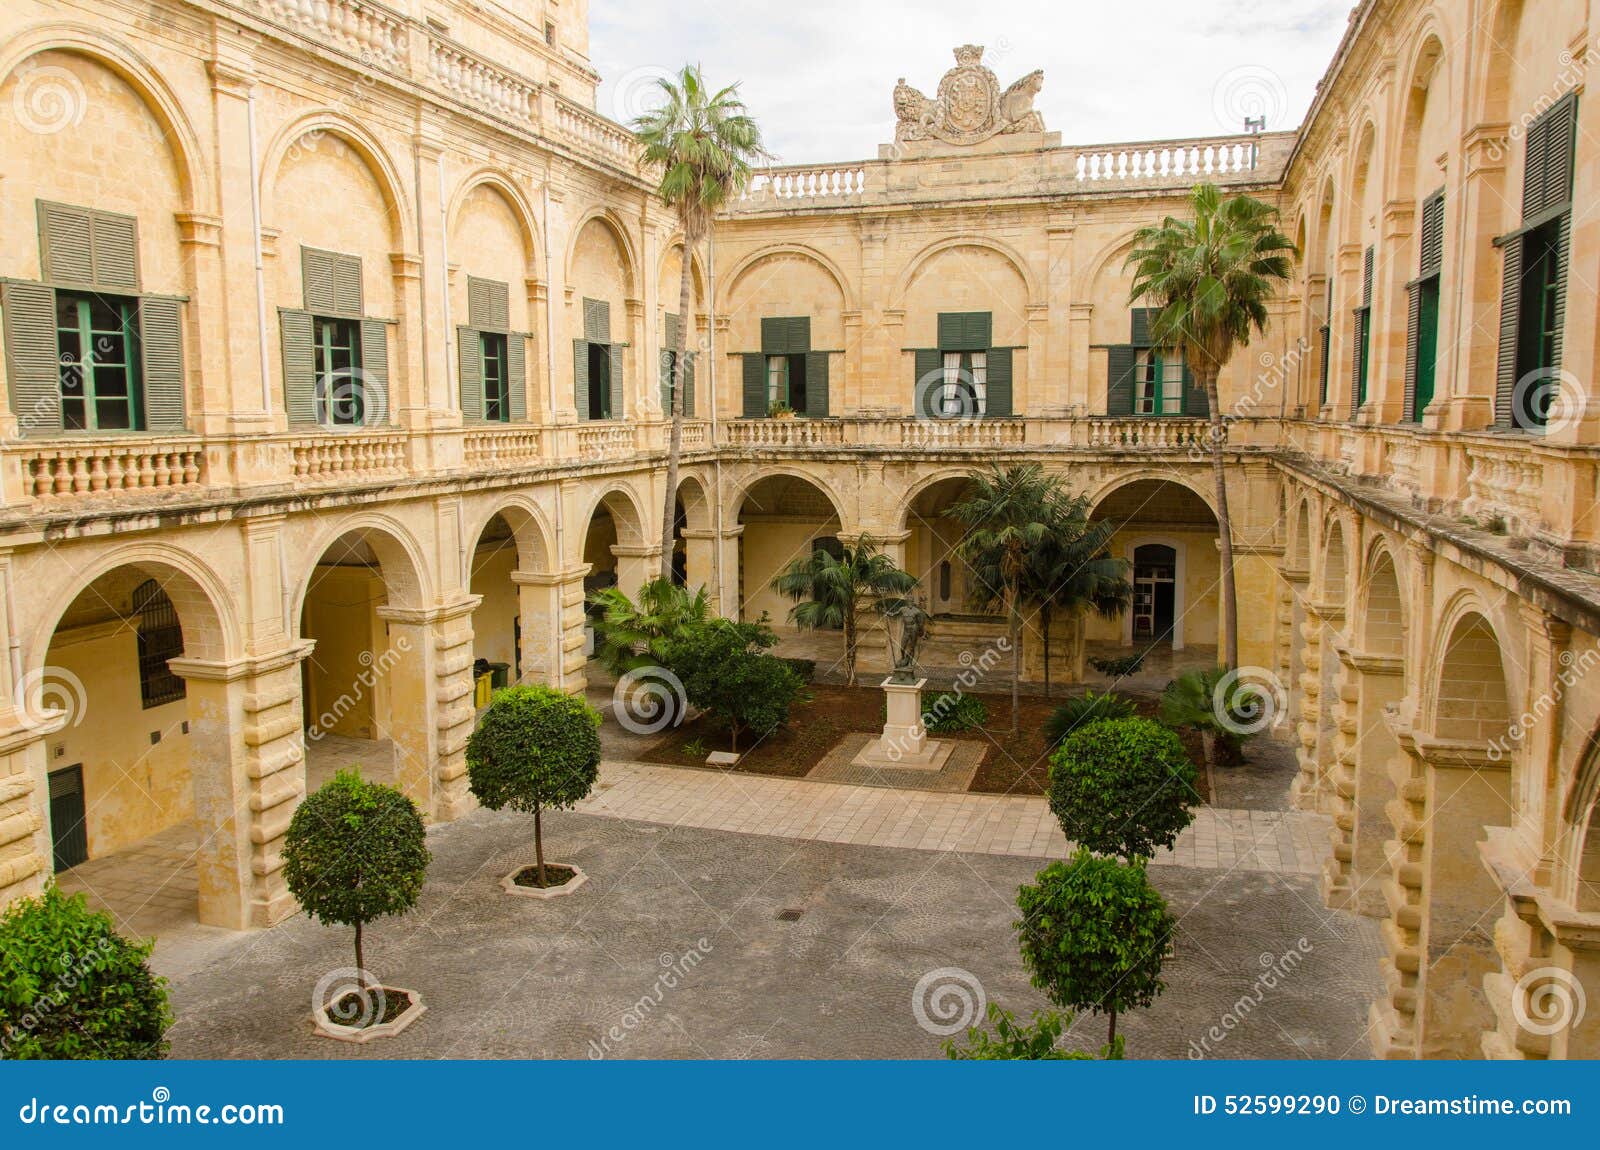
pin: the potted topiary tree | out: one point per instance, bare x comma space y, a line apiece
1093, 934
72, 987
357, 851
1122, 787
535, 748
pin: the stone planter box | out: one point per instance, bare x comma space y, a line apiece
510, 885
328, 1028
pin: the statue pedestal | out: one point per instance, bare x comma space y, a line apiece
904, 744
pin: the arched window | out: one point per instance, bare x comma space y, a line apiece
160, 638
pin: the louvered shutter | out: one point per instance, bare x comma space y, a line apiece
1432, 236
686, 374
488, 304
1558, 303
1505, 380
299, 366
316, 279
1548, 158
161, 346
785, 335
1356, 358
998, 385
597, 320
375, 373
347, 285
965, 331
616, 350
799, 334
1195, 400
1121, 362
755, 386
66, 252
517, 375
33, 368
580, 376
928, 362
817, 384
1325, 343
470, 355
1366, 278
665, 370
1139, 326
1413, 333
115, 245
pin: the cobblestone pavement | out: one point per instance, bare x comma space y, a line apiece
676, 948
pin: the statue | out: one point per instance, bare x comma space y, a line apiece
969, 107
908, 622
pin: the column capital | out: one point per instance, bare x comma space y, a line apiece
231, 670
551, 578
437, 613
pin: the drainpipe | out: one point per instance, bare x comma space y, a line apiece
711, 386
560, 558
260, 258
444, 278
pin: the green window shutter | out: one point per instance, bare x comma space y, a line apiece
927, 383
1324, 337
597, 320
785, 335
331, 282
1357, 360
1121, 362
375, 373
66, 252
755, 386
1413, 334
1366, 278
161, 345
665, 368
1195, 400
470, 356
1432, 235
299, 366
33, 368
799, 334
1559, 302
686, 374
1548, 158
488, 304
517, 375
998, 386
965, 330
1139, 325
1510, 313
617, 411
817, 384
115, 244
580, 376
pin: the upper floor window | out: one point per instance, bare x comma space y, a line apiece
1160, 377
597, 365
492, 359
1533, 292
1422, 312
1362, 364
1147, 380
335, 358
671, 376
966, 376
86, 351
787, 376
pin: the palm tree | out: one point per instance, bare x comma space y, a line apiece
631, 635
705, 144
1071, 572
1007, 512
1211, 278
829, 592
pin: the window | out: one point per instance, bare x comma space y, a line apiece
786, 383
97, 339
1539, 326
597, 364
1325, 343
787, 374
599, 382
492, 364
966, 376
965, 386
336, 360
160, 638
1422, 316
549, 33
1158, 382
1363, 337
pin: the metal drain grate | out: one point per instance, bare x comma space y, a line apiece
790, 914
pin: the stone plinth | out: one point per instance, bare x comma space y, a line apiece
904, 743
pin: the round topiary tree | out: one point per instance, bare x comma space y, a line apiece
1122, 787
355, 851
535, 747
72, 987
1093, 934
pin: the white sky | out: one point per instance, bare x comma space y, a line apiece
819, 74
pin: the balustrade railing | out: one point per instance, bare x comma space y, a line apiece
831, 183
594, 132
783, 433
490, 448
604, 441
362, 28
1164, 434
1184, 162
937, 433
337, 457
60, 470
479, 82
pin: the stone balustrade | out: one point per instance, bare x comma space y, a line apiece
592, 132
1505, 487
601, 441
1180, 162
783, 433
335, 457
1159, 434
940, 433
64, 470
807, 185
362, 28
486, 86
490, 449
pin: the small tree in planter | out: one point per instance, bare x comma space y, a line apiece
1093, 934
72, 987
535, 748
1122, 787
725, 670
355, 852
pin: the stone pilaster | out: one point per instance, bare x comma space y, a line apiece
1360, 783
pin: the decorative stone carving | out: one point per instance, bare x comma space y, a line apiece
969, 107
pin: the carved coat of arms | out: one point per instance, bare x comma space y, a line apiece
969, 107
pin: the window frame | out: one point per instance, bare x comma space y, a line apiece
1156, 361
323, 374
89, 365
500, 399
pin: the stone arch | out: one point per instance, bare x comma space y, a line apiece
1300, 546
1497, 66
801, 251
1110, 486
1380, 603
371, 151
1335, 564
530, 528
521, 210
1469, 695
398, 554
624, 504
1362, 179
1581, 816
1317, 257
781, 514
926, 482
611, 223
1006, 252
1101, 263
696, 502
699, 279
788, 471
107, 51
1154, 509
1428, 69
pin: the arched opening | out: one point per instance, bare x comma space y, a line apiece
1168, 534
124, 777
782, 518
693, 539
514, 625
931, 555
615, 549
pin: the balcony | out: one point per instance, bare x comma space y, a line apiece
66, 470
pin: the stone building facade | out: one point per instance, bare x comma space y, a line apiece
333, 345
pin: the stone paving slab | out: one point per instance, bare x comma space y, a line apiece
1277, 842
838, 766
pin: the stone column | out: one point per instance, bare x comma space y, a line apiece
24, 802
1360, 784
539, 608
247, 753
637, 564
700, 550
1317, 699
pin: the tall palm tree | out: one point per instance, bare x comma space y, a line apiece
1211, 277
705, 144
1072, 573
829, 592
1007, 513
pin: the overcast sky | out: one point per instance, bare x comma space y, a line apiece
819, 74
